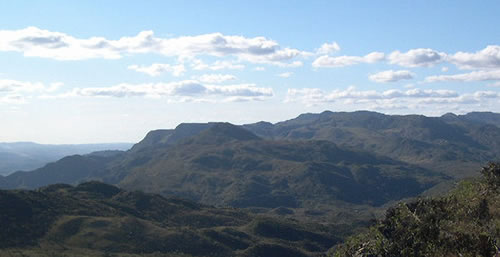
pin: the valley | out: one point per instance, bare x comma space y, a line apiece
310, 182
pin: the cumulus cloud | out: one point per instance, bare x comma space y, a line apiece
216, 78
157, 69
16, 92
198, 64
285, 74
417, 99
326, 61
487, 58
391, 76
12, 99
315, 95
496, 84
421, 57
294, 64
281, 57
37, 42
191, 90
15, 86
328, 48
467, 77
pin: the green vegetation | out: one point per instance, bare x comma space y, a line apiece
226, 165
96, 219
454, 144
339, 169
464, 223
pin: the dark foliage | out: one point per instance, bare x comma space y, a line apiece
93, 218
464, 223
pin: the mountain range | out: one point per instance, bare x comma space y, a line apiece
332, 162
29, 156
293, 188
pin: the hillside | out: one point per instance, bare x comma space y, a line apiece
463, 223
96, 219
455, 144
227, 165
331, 167
29, 156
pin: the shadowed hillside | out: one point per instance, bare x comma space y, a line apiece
457, 145
339, 168
463, 223
93, 219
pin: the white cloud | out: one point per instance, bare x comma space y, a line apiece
487, 58
7, 85
217, 65
216, 78
294, 64
37, 42
327, 48
187, 90
12, 99
421, 57
416, 99
466, 77
445, 69
281, 57
326, 61
496, 84
260, 68
15, 86
157, 69
315, 95
285, 74
17, 92
391, 76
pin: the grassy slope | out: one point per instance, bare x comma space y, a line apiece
455, 145
95, 219
315, 180
464, 223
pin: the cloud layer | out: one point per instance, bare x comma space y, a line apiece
421, 57
216, 78
157, 69
487, 75
33, 41
391, 99
326, 61
191, 90
488, 58
15, 92
391, 76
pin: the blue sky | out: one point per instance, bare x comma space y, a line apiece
109, 71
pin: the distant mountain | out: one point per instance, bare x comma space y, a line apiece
453, 144
96, 219
227, 165
318, 165
29, 156
167, 137
484, 117
333, 168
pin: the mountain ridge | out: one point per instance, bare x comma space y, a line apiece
360, 159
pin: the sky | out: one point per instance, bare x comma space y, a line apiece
110, 71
